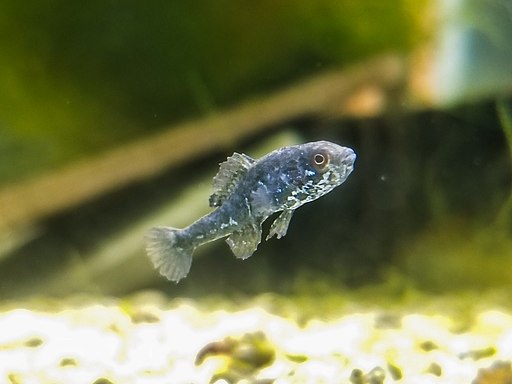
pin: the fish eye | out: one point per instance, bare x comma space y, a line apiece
320, 161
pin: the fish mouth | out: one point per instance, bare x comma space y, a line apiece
346, 162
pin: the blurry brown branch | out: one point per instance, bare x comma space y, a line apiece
362, 89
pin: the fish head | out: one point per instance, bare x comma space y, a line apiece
325, 165
330, 162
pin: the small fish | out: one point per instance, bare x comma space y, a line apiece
246, 192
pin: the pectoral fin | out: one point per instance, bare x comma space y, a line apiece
244, 242
280, 224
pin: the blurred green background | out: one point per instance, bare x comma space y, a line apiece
77, 78
428, 205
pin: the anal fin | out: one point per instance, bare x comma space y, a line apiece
244, 242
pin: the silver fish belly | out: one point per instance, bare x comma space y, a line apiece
245, 193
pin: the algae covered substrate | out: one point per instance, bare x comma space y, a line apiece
342, 338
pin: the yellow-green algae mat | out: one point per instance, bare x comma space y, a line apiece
268, 339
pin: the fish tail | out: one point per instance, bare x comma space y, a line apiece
168, 254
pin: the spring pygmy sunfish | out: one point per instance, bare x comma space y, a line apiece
245, 193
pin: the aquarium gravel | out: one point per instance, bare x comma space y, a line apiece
158, 341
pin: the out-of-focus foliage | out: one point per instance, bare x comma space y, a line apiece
77, 77
473, 54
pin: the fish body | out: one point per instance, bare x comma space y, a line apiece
245, 193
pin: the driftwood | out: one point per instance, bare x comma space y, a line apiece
361, 89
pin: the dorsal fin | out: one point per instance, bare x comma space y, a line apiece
230, 173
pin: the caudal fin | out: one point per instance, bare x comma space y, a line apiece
170, 258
